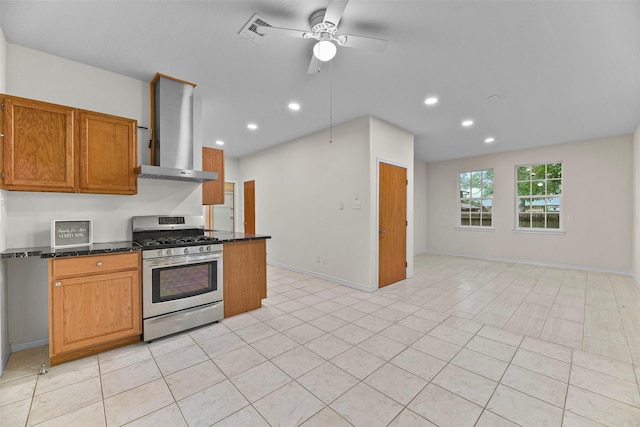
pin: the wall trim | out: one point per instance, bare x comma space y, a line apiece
25, 345
4, 362
347, 283
539, 263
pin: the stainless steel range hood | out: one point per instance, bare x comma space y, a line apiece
172, 122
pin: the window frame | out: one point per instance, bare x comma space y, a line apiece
481, 199
545, 196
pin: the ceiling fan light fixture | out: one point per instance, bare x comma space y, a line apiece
324, 50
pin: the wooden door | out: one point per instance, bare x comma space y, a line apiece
90, 310
108, 154
250, 207
392, 224
38, 146
213, 191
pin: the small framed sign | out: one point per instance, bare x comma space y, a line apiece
74, 232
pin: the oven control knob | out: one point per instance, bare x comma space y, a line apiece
208, 248
160, 253
186, 250
201, 249
168, 251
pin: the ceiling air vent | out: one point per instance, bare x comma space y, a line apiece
249, 29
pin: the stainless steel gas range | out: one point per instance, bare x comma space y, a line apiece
181, 274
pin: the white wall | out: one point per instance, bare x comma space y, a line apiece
420, 208
392, 145
635, 264
299, 188
597, 192
4, 308
36, 75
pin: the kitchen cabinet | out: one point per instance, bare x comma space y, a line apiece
94, 304
245, 275
38, 146
49, 147
213, 191
108, 154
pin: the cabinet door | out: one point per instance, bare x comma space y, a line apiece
108, 154
90, 310
38, 146
245, 276
213, 191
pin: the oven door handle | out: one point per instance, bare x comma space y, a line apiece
181, 260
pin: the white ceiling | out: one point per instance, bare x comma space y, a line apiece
563, 70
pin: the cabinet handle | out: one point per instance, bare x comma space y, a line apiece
99, 263
58, 284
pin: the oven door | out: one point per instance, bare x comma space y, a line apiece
177, 283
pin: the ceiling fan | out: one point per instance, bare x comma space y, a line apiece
324, 29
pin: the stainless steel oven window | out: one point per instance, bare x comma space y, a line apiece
182, 281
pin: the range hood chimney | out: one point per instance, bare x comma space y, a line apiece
172, 133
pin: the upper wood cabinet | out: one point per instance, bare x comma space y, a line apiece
213, 191
38, 146
108, 154
49, 147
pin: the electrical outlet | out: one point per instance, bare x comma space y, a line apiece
341, 206
570, 218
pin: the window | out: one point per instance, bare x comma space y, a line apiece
476, 198
539, 196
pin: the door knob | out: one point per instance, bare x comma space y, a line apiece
380, 231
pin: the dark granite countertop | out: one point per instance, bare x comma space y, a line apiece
233, 236
113, 247
49, 252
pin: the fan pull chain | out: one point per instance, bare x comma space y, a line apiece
330, 101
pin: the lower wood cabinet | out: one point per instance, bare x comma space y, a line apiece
245, 276
94, 304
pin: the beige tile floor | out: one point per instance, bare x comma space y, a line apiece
464, 343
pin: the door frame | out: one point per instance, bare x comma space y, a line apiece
377, 218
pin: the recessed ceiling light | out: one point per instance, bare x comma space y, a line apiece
219, 142
294, 106
489, 140
493, 98
467, 123
432, 100
252, 126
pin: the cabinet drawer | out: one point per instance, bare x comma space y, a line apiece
94, 264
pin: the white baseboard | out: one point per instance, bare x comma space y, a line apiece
353, 285
25, 345
540, 263
4, 361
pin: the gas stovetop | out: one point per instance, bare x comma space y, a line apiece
167, 232
175, 241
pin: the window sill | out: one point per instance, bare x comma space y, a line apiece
542, 231
470, 228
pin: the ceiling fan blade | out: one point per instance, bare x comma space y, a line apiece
314, 65
334, 11
360, 42
276, 31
